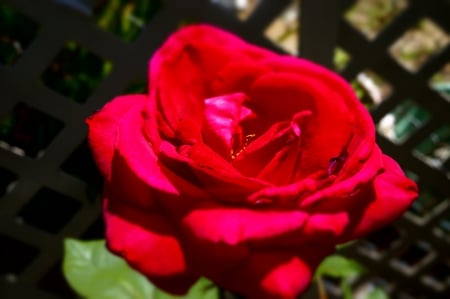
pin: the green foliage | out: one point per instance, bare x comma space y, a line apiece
28, 129
338, 266
443, 87
16, 34
136, 87
125, 18
377, 293
203, 289
75, 72
340, 59
94, 273
344, 269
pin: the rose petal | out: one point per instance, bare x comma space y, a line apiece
345, 193
283, 167
223, 115
103, 127
181, 68
149, 244
278, 96
139, 156
211, 258
326, 228
216, 223
335, 87
207, 170
272, 274
261, 150
392, 193
237, 76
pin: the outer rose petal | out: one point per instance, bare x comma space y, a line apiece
116, 139
392, 194
137, 165
213, 228
103, 128
137, 234
149, 244
217, 223
346, 193
275, 274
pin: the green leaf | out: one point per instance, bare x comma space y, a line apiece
345, 287
338, 266
95, 273
344, 245
203, 289
377, 293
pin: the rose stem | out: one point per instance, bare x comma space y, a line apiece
321, 289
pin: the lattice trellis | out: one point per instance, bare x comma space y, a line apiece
48, 182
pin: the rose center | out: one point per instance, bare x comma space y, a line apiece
239, 143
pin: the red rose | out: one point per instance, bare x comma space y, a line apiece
240, 165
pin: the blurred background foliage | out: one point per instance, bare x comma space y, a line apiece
16, 34
125, 18
75, 72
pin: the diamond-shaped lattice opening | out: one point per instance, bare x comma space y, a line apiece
367, 289
28, 131
370, 17
442, 229
125, 19
15, 256
413, 257
371, 89
81, 165
96, 230
341, 59
332, 285
441, 82
188, 20
412, 175
429, 203
75, 72
405, 119
17, 32
49, 210
435, 149
241, 8
137, 86
7, 179
438, 275
417, 45
284, 30
55, 283
380, 242
411, 295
